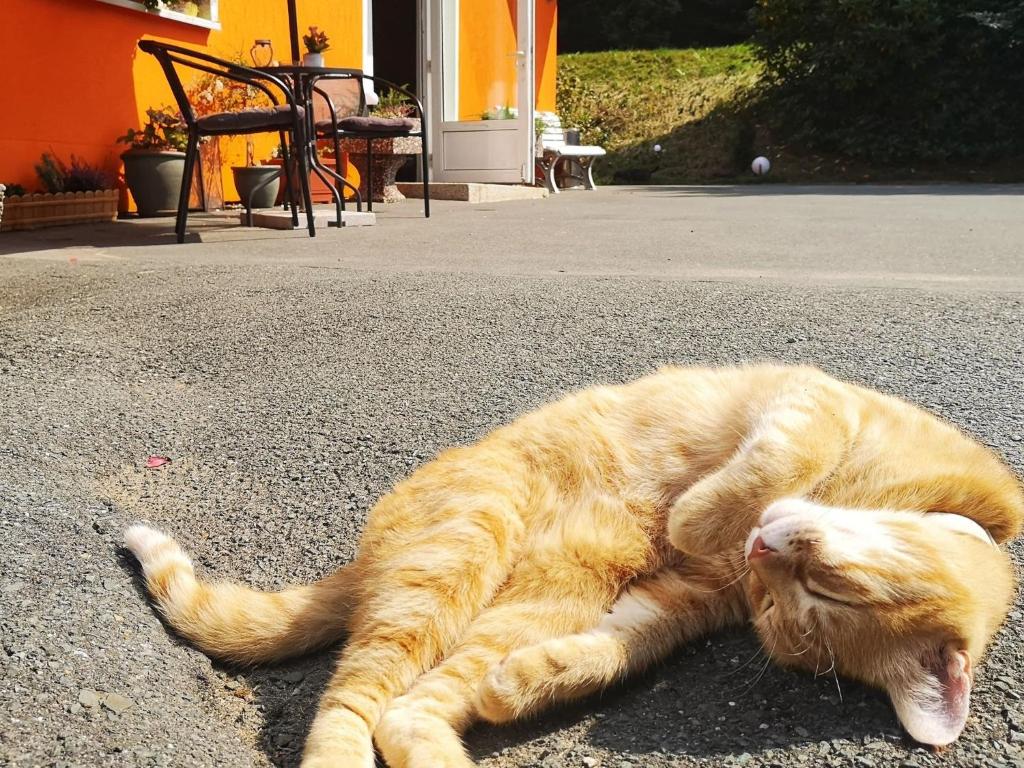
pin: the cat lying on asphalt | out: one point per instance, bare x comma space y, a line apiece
588, 539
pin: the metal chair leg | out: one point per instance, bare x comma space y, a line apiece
369, 175
191, 152
337, 168
302, 157
426, 174
290, 196
321, 171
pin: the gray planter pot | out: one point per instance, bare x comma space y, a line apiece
154, 179
249, 178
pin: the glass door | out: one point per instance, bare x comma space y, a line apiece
481, 71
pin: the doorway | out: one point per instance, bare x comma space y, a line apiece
481, 91
396, 55
395, 49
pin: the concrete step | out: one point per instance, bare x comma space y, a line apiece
470, 192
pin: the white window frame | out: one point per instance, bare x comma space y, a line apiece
368, 85
211, 22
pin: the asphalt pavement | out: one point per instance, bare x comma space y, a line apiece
293, 381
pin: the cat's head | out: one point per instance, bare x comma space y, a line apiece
900, 600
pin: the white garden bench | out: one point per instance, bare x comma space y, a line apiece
553, 150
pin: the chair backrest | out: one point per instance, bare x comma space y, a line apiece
171, 56
553, 136
345, 95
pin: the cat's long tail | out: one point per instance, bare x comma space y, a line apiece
235, 623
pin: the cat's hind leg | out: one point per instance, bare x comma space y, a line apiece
416, 604
651, 617
546, 595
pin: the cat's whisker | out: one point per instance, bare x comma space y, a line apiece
746, 663
761, 671
740, 577
835, 674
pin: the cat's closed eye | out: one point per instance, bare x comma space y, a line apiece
814, 589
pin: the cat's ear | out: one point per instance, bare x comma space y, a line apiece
933, 699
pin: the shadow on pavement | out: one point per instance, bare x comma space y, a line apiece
137, 233
705, 702
769, 189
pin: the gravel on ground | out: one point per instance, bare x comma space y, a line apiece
292, 382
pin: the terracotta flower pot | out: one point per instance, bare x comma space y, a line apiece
319, 191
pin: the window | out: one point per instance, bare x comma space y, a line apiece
201, 13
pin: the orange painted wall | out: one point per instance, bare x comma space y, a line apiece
546, 26
89, 82
487, 63
487, 72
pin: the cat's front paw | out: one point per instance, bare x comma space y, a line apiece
498, 694
691, 535
531, 678
524, 681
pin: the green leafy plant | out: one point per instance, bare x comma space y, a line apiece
80, 176
165, 129
50, 172
501, 112
316, 41
393, 103
14, 189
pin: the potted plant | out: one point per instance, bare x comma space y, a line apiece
316, 43
154, 163
257, 185
186, 7
74, 194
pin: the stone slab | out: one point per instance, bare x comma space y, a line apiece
323, 218
470, 192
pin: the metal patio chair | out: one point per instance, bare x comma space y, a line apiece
280, 118
341, 113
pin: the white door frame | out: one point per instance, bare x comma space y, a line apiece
515, 135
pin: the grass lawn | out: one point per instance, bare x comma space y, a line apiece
696, 104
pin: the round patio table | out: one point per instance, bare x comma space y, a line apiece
302, 79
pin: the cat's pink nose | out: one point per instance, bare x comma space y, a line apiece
759, 549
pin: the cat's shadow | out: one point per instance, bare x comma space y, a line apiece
702, 703
713, 699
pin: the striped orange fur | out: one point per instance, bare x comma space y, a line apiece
586, 540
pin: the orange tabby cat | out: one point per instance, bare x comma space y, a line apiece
588, 539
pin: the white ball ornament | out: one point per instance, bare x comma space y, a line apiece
760, 166
657, 147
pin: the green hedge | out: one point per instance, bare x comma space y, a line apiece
896, 80
602, 25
